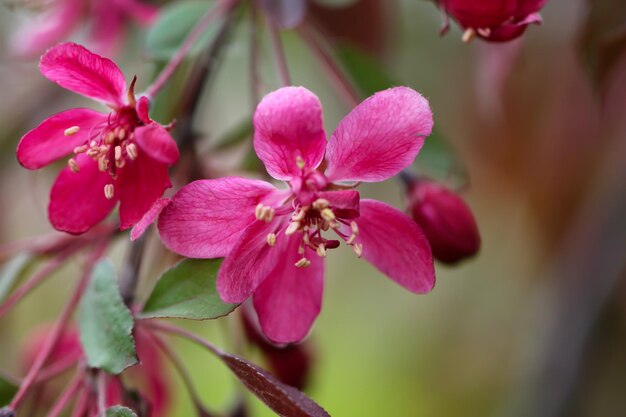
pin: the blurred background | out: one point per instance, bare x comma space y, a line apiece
533, 134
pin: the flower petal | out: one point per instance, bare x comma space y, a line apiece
151, 215
206, 217
344, 203
289, 300
288, 126
380, 137
77, 201
143, 109
140, 184
249, 262
48, 142
156, 141
77, 69
396, 245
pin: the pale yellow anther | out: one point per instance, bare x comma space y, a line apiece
122, 134
93, 144
80, 149
103, 164
300, 162
328, 215
303, 263
73, 165
70, 131
131, 150
354, 227
484, 32
292, 228
271, 239
298, 215
468, 35
118, 153
108, 191
109, 138
358, 249
321, 250
258, 211
321, 203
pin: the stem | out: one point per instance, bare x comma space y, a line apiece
168, 328
102, 394
58, 328
185, 47
68, 394
255, 83
80, 407
130, 272
349, 94
279, 54
55, 369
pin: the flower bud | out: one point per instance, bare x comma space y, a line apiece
6, 412
493, 20
445, 219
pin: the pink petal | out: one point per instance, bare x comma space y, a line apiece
249, 262
395, 244
48, 142
380, 137
138, 229
344, 203
206, 218
77, 201
77, 69
288, 126
140, 184
290, 298
157, 143
142, 108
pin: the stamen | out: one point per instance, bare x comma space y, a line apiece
354, 227
292, 228
118, 153
73, 165
119, 163
321, 250
122, 134
80, 149
299, 215
300, 162
258, 211
131, 151
108, 191
109, 138
271, 239
468, 35
263, 212
303, 263
358, 249
328, 215
70, 131
103, 164
484, 32
301, 249
321, 203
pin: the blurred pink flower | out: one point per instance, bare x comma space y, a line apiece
106, 20
446, 220
494, 20
121, 155
272, 239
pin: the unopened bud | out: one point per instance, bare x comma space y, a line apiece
6, 412
445, 219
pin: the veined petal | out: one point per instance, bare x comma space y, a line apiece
143, 109
140, 184
344, 203
77, 201
48, 141
396, 245
77, 69
206, 217
380, 137
289, 300
288, 132
250, 261
157, 143
151, 215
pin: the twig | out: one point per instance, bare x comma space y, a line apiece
68, 394
279, 54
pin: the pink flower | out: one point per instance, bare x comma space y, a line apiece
275, 240
494, 20
446, 220
106, 18
121, 155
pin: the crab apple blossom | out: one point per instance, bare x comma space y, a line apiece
446, 220
106, 20
275, 240
493, 20
120, 155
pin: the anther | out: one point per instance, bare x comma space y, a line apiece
327, 214
258, 211
108, 191
300, 162
109, 138
292, 228
103, 164
484, 32
131, 151
299, 215
468, 35
73, 165
118, 153
303, 263
358, 249
80, 149
321, 203
354, 227
321, 250
70, 131
271, 239
122, 134
119, 163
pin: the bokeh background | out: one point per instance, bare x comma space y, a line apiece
532, 132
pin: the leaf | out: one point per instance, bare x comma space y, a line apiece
173, 25
188, 290
7, 391
286, 14
11, 271
284, 400
119, 411
105, 323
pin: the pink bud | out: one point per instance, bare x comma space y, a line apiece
445, 219
493, 20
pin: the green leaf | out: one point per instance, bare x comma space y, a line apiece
105, 323
7, 391
11, 271
174, 24
119, 411
188, 290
